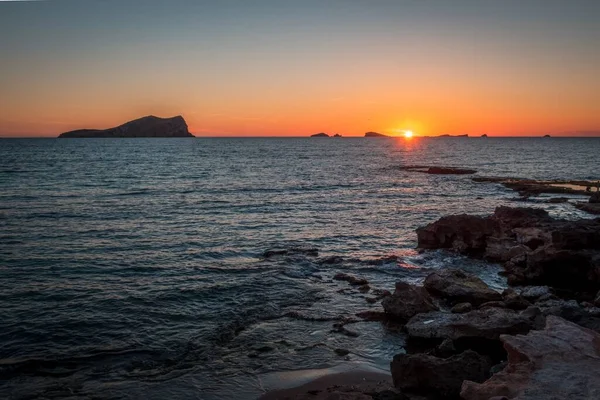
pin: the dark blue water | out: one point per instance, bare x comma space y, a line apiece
133, 268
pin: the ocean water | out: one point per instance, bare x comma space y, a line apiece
134, 268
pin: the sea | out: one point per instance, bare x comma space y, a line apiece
202, 268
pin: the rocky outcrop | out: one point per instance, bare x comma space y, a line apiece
595, 198
560, 362
423, 373
150, 126
407, 301
435, 170
320, 134
535, 248
457, 286
486, 323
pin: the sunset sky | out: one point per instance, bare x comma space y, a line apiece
245, 68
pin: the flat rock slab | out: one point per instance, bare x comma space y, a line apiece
487, 323
560, 362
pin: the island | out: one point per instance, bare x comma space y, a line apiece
484, 135
149, 126
321, 134
337, 135
546, 136
446, 135
375, 134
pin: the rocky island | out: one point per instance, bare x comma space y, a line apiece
149, 126
375, 134
320, 134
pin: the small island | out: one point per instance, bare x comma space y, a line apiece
149, 126
484, 135
320, 134
446, 135
546, 136
375, 134
337, 135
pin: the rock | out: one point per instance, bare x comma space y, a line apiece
337, 135
535, 248
492, 304
534, 292
149, 126
592, 208
353, 280
487, 323
458, 286
595, 198
364, 288
555, 200
435, 170
407, 301
463, 233
597, 299
514, 301
462, 308
320, 134
292, 251
341, 352
560, 362
372, 315
444, 377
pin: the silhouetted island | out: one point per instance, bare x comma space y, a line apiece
149, 126
484, 135
337, 135
546, 135
321, 134
375, 134
446, 135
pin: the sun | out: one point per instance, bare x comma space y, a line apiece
408, 134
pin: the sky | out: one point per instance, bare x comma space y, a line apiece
294, 68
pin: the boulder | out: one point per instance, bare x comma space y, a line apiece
353, 280
463, 233
457, 286
462, 308
534, 292
407, 301
595, 198
560, 362
424, 373
487, 323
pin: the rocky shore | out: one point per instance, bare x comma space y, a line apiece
537, 339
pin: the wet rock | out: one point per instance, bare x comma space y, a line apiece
330, 260
595, 198
292, 251
444, 377
372, 315
407, 301
487, 323
383, 260
463, 233
457, 286
340, 328
592, 208
341, 352
353, 280
560, 362
364, 288
436, 170
535, 248
555, 200
462, 308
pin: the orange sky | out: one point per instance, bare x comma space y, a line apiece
296, 70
